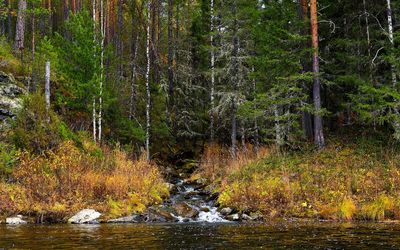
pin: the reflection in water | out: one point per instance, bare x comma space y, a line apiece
200, 236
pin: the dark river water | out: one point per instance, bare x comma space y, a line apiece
203, 236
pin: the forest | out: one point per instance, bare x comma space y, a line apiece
276, 108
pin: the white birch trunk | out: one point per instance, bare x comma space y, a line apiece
148, 94
47, 88
391, 39
395, 123
94, 51
132, 108
212, 91
102, 30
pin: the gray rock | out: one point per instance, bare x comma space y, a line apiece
226, 211
184, 210
85, 216
127, 219
159, 215
233, 217
17, 220
10, 96
246, 217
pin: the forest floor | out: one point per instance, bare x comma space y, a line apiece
355, 177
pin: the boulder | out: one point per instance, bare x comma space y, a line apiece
128, 219
10, 96
226, 211
160, 215
85, 216
17, 220
233, 217
247, 217
184, 210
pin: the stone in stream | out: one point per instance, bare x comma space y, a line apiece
159, 215
17, 220
246, 217
128, 219
184, 210
85, 216
226, 211
233, 217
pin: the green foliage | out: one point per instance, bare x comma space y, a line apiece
35, 129
8, 159
78, 65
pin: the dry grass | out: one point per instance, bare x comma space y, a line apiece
339, 182
62, 181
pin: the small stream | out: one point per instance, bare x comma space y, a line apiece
196, 197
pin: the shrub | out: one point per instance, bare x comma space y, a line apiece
67, 178
340, 182
35, 129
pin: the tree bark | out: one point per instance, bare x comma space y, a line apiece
318, 128
212, 87
102, 37
391, 39
33, 80
20, 26
306, 117
66, 10
235, 50
94, 112
170, 61
9, 21
135, 45
120, 23
148, 93
47, 88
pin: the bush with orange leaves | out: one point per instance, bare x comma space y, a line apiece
67, 179
359, 180
217, 161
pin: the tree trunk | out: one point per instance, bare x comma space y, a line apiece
94, 112
33, 80
148, 94
102, 37
119, 42
170, 104
318, 129
20, 27
391, 39
212, 87
47, 88
235, 50
135, 45
66, 10
9, 21
306, 117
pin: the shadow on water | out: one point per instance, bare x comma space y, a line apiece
294, 235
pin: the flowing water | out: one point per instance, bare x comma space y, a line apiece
285, 235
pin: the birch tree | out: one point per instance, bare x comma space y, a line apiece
148, 93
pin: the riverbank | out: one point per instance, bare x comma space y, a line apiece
54, 185
355, 179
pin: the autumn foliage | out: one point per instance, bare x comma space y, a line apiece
64, 180
352, 182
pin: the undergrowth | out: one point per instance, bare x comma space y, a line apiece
357, 180
66, 179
